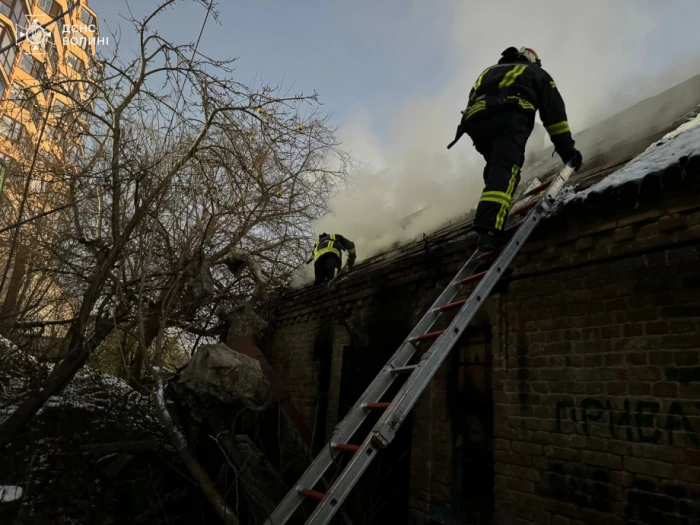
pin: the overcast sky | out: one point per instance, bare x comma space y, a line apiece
396, 73
381, 65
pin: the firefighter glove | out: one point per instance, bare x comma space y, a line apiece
573, 156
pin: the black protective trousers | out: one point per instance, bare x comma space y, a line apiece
500, 136
326, 267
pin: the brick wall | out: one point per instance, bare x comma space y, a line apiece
380, 313
596, 362
597, 375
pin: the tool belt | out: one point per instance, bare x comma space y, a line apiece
483, 102
489, 101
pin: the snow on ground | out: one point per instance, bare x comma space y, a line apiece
91, 392
681, 142
9, 493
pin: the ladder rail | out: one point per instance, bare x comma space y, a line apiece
385, 429
396, 412
357, 414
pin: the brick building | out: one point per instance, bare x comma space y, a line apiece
574, 397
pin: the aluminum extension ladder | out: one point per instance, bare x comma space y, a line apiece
396, 411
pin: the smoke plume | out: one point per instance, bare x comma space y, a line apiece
605, 56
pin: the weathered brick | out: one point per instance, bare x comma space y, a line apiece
690, 474
584, 243
672, 222
525, 473
656, 328
632, 329
665, 390
650, 467
638, 388
687, 358
624, 233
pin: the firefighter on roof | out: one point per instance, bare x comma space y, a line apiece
499, 119
327, 256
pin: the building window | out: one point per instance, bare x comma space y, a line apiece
10, 128
2, 88
87, 18
75, 93
7, 59
84, 43
14, 10
53, 56
59, 108
31, 65
50, 7
74, 62
17, 94
35, 113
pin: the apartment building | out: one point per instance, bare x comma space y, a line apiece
41, 78
27, 70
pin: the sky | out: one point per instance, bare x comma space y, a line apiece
396, 73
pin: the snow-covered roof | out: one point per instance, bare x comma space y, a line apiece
674, 148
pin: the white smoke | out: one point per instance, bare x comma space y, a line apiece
595, 51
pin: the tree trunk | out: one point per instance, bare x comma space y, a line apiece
10, 308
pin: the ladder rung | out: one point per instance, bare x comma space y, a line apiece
538, 189
344, 447
494, 253
429, 335
512, 229
472, 278
377, 406
525, 208
399, 369
312, 494
453, 306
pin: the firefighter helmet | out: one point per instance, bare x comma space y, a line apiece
531, 55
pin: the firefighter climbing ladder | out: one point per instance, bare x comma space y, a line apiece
396, 411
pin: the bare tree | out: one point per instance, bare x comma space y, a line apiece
191, 195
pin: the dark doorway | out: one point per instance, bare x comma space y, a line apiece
470, 400
381, 496
324, 358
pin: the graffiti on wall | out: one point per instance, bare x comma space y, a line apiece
641, 420
648, 501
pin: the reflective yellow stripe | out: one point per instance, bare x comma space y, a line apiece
324, 251
477, 84
333, 236
551, 83
500, 194
352, 250
496, 200
335, 272
506, 77
503, 212
516, 75
511, 76
479, 106
523, 103
558, 128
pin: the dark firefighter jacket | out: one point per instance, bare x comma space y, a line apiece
527, 87
334, 243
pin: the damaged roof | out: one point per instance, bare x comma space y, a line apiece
642, 140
